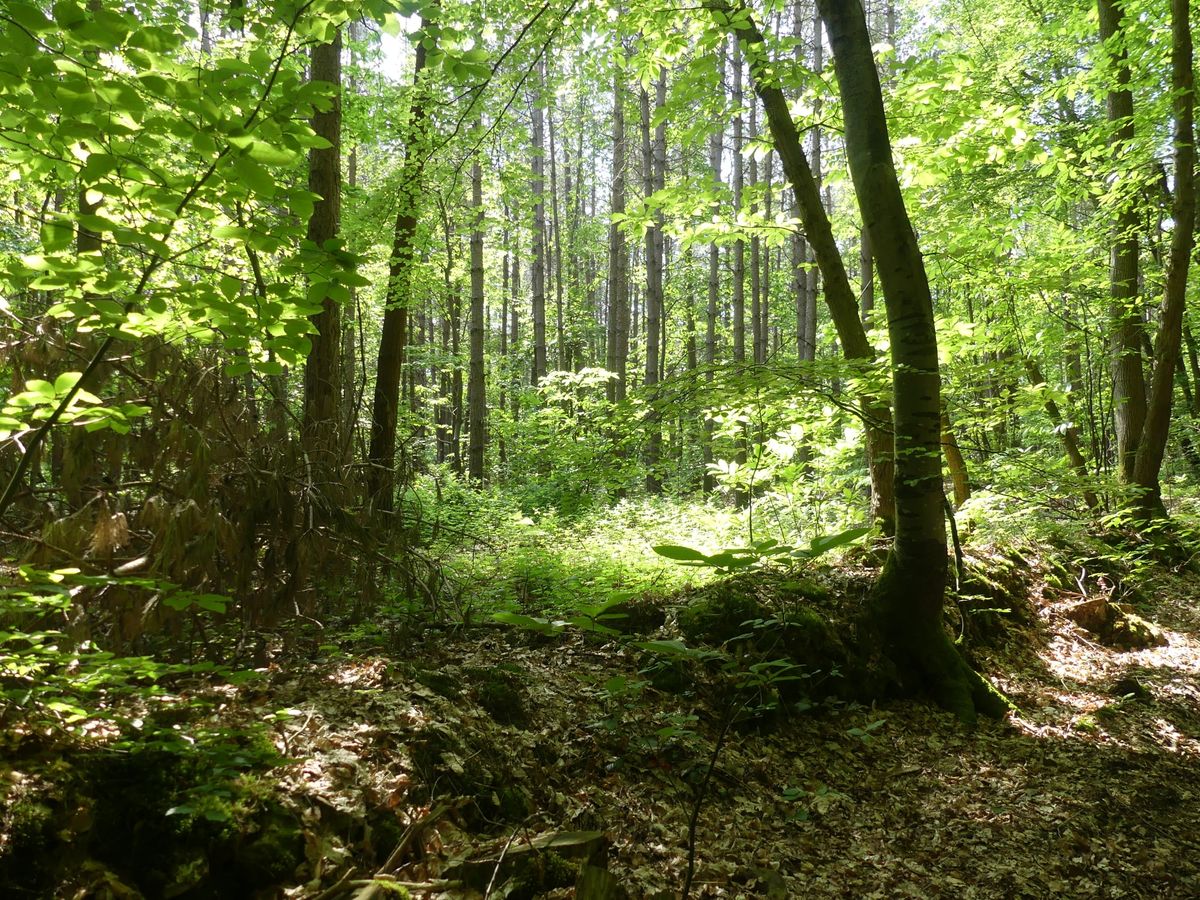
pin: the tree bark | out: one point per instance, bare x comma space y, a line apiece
651, 166
538, 272
322, 370
1129, 383
476, 387
716, 146
906, 604
1155, 430
385, 409
739, 247
839, 296
618, 307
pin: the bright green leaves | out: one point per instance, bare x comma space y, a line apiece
40, 398
761, 552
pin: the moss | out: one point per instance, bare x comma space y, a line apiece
500, 693
441, 683
721, 614
273, 854
459, 763
29, 825
638, 615
924, 659
544, 872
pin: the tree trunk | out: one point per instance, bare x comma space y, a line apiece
1129, 384
562, 360
654, 279
716, 147
839, 296
906, 604
381, 456
322, 370
476, 388
538, 272
618, 307
739, 247
813, 273
1153, 443
954, 460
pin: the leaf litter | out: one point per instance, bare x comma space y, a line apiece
444, 766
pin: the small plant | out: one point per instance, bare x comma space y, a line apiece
760, 553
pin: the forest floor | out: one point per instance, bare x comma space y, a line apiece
455, 761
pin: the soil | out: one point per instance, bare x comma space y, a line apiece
502, 762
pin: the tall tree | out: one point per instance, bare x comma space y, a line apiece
537, 187
739, 183
652, 163
1152, 446
907, 600
385, 409
618, 303
1128, 378
839, 297
476, 386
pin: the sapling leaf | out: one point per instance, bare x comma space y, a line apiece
681, 554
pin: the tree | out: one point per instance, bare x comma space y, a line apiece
1128, 377
1153, 442
385, 410
476, 386
906, 604
322, 370
839, 296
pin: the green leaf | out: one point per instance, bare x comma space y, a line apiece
824, 544
680, 553
543, 626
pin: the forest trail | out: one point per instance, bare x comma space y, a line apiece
491, 739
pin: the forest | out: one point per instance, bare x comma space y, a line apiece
599, 448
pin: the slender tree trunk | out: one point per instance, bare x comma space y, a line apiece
1153, 444
755, 244
814, 271
839, 296
562, 360
618, 307
381, 456
651, 164
739, 247
1067, 433
762, 333
716, 146
1129, 384
954, 460
476, 387
538, 272
907, 600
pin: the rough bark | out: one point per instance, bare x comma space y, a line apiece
322, 370
906, 604
385, 409
476, 387
538, 270
1155, 430
618, 306
1129, 384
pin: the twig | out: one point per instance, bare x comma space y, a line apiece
338, 886
701, 792
499, 862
